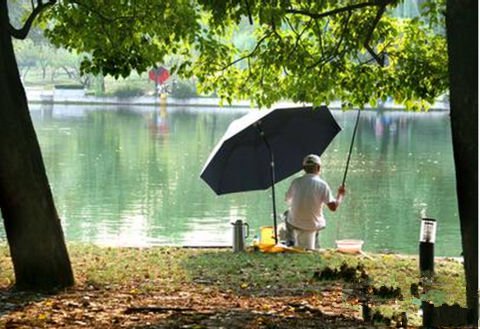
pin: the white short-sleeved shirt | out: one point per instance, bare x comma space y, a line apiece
306, 197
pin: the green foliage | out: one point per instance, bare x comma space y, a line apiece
123, 38
304, 56
434, 14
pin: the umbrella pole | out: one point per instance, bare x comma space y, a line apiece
351, 147
272, 176
272, 166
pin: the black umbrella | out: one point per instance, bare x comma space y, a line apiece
264, 147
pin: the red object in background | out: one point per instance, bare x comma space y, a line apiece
159, 75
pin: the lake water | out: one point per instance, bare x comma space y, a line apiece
129, 176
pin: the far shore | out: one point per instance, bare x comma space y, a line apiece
37, 95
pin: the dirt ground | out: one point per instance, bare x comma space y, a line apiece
190, 307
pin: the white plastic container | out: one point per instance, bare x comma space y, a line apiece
349, 246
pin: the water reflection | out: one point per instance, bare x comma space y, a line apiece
405, 168
130, 176
158, 124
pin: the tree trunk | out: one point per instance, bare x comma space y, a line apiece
462, 38
44, 72
34, 234
24, 75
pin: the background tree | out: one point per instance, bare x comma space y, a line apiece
26, 58
31, 222
69, 62
121, 38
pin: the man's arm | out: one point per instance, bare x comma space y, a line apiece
338, 200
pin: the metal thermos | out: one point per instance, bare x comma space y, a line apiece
240, 232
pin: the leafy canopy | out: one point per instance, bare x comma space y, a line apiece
309, 51
122, 36
317, 51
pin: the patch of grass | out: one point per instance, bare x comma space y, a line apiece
292, 274
257, 271
140, 268
253, 272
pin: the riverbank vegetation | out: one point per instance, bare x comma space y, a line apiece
43, 66
203, 288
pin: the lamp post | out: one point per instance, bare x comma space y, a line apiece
428, 230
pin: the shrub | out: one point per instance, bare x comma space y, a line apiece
69, 86
127, 91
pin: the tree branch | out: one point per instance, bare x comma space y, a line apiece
379, 58
374, 3
247, 79
335, 51
250, 19
249, 54
23, 32
320, 36
100, 15
299, 36
382, 4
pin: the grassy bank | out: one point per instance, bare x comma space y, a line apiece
202, 288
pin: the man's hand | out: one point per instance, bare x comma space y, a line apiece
340, 193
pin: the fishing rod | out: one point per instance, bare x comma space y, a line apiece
351, 147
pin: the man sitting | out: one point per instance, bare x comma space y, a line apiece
306, 197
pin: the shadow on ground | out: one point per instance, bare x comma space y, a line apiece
12, 300
242, 319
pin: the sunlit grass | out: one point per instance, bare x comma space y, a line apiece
296, 271
142, 268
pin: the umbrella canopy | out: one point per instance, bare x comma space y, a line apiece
264, 147
241, 159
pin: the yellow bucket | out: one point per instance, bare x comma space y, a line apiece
267, 237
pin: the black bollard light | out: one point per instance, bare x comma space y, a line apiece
428, 231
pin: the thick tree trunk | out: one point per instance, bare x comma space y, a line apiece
462, 38
33, 229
